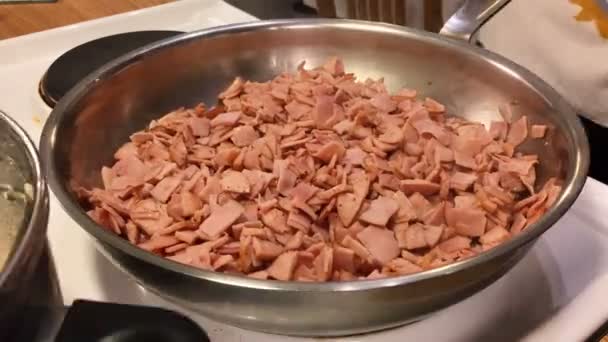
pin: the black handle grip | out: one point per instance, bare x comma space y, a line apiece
105, 322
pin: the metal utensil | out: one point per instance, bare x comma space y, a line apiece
100, 113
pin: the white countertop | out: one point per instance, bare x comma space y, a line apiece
554, 294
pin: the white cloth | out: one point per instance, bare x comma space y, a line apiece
570, 55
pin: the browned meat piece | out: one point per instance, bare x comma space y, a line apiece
234, 181
298, 110
266, 250
466, 221
334, 66
163, 190
455, 244
518, 132
233, 90
184, 204
263, 275
244, 136
495, 235
276, 220
295, 241
329, 151
462, 181
323, 263
403, 267
538, 131
299, 221
226, 119
221, 219
286, 177
158, 242
433, 106
381, 243
415, 237
424, 187
383, 102
380, 211
432, 234
344, 259
498, 130
348, 204
283, 266
433, 128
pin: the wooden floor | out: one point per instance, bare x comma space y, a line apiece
20, 19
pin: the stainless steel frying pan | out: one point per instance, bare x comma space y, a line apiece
100, 113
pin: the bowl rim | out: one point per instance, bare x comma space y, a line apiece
36, 225
573, 183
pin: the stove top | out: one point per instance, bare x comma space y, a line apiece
76, 63
545, 297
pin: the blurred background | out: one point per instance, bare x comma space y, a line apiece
423, 14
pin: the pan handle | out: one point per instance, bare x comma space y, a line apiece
470, 17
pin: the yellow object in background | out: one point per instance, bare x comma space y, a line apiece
592, 10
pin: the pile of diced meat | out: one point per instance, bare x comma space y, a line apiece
315, 176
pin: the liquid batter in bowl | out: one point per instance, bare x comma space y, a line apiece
14, 195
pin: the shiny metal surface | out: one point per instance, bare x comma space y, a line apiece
44, 311
465, 23
100, 113
18, 272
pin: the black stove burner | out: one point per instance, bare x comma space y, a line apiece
78, 62
598, 144
105, 322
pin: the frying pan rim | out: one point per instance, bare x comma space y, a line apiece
573, 184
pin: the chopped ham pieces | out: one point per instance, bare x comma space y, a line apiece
498, 130
403, 267
414, 237
466, 221
455, 244
226, 119
323, 264
163, 190
266, 250
518, 132
433, 128
433, 106
348, 204
344, 259
159, 242
381, 243
330, 150
184, 204
275, 219
462, 181
233, 90
221, 219
234, 181
286, 177
421, 186
538, 131
283, 266
380, 211
383, 102
432, 234
494, 236
244, 136
316, 176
